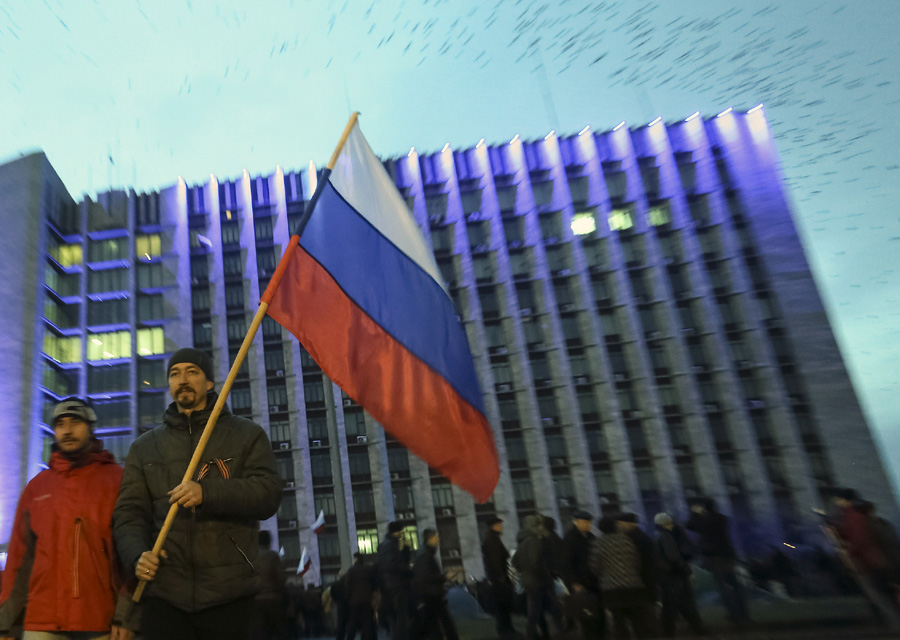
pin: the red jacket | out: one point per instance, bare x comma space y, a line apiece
63, 522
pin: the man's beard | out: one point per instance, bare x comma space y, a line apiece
190, 400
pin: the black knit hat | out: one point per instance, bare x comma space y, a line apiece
193, 356
395, 527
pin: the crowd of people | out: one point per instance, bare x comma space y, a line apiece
623, 571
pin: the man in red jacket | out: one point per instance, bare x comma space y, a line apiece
61, 558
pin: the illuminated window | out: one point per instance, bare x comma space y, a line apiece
367, 540
659, 215
150, 341
411, 535
68, 255
107, 346
620, 219
583, 223
147, 246
61, 348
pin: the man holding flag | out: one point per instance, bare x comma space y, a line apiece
201, 584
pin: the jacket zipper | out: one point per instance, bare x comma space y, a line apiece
241, 551
76, 590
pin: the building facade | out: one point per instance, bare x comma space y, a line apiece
644, 323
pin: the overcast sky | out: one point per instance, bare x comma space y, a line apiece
124, 92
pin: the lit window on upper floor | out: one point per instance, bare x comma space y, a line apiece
109, 346
68, 255
63, 349
150, 341
620, 219
659, 215
583, 223
147, 246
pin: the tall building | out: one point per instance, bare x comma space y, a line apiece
645, 327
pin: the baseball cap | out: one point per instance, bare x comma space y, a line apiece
76, 408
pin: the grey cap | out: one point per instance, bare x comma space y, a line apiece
75, 407
662, 519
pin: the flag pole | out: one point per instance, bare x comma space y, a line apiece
245, 346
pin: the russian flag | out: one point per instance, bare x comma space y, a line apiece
304, 564
364, 296
319, 524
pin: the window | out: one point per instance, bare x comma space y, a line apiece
515, 451
262, 229
523, 491
108, 378
104, 281
285, 468
233, 264
237, 329
61, 383
287, 510
241, 399
583, 223
411, 535
114, 413
67, 255
320, 465
355, 423
150, 276
398, 461
266, 261
234, 296
151, 407
107, 312
152, 374
202, 334
274, 361
520, 263
620, 219
367, 541
64, 284
64, 316
513, 229
314, 392
358, 462
403, 498
329, 546
199, 268
151, 307
550, 226
277, 396
363, 501
147, 246
150, 341
231, 233
108, 346
106, 250
281, 430
659, 215
317, 427
442, 495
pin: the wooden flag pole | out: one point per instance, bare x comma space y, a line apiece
241, 356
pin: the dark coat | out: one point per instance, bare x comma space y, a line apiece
532, 557
647, 552
574, 567
672, 554
713, 538
495, 558
393, 569
359, 584
427, 580
211, 550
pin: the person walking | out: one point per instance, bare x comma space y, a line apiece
496, 569
584, 604
433, 619
674, 572
359, 587
615, 559
270, 613
718, 557
202, 585
532, 561
394, 581
61, 559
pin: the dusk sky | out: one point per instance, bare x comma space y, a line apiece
125, 92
